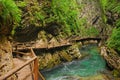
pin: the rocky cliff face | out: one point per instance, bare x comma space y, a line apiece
90, 22
91, 11
6, 58
52, 58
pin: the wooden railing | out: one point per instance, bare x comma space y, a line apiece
35, 70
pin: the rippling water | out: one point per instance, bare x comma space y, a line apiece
90, 65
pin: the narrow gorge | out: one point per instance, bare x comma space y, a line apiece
71, 39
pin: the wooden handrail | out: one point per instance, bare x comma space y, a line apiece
36, 70
35, 67
13, 71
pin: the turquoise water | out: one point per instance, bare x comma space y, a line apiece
90, 65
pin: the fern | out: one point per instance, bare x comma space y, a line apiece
10, 11
104, 4
118, 23
31, 13
21, 4
67, 12
114, 41
114, 6
10, 16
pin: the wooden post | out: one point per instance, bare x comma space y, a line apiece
35, 69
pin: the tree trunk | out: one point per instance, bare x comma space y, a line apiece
6, 58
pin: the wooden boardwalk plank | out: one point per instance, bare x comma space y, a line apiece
22, 74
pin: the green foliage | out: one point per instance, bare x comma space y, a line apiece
10, 16
91, 31
9, 11
118, 23
64, 12
21, 4
31, 13
114, 6
104, 4
114, 41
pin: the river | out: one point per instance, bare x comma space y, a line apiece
91, 65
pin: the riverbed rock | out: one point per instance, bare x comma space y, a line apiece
111, 56
95, 77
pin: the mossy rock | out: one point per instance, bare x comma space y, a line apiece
65, 56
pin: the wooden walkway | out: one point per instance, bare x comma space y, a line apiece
53, 43
25, 68
24, 73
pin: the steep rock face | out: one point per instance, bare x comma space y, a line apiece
90, 19
6, 58
91, 12
50, 59
112, 57
74, 51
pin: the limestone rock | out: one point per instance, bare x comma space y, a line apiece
54, 58
6, 58
52, 43
74, 52
65, 56
95, 77
112, 57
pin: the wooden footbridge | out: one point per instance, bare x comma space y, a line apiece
26, 67
53, 43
